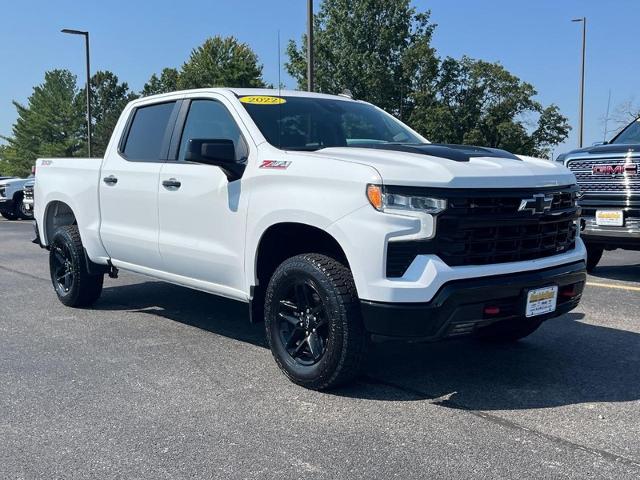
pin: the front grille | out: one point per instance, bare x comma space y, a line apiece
486, 227
604, 183
28, 192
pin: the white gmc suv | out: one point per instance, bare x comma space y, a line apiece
334, 220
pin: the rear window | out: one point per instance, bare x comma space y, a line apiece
146, 136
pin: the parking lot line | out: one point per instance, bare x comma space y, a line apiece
611, 285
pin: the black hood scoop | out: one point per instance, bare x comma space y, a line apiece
458, 153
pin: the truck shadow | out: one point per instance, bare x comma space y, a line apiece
567, 361
626, 273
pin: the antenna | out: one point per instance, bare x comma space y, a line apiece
606, 118
279, 96
279, 64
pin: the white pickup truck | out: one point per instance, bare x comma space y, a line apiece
334, 220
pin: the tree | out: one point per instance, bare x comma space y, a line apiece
48, 126
481, 103
379, 50
221, 62
108, 99
166, 82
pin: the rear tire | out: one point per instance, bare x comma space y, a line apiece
594, 254
313, 322
509, 330
73, 285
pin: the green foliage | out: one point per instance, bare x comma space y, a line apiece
166, 82
382, 52
475, 102
221, 62
379, 50
48, 126
218, 62
108, 99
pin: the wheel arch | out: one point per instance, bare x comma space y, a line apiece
286, 239
57, 214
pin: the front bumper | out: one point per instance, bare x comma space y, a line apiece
459, 306
627, 236
6, 205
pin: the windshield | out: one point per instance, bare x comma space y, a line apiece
307, 123
630, 135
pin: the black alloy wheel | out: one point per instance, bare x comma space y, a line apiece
302, 322
313, 321
62, 268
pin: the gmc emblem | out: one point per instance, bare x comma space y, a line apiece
627, 168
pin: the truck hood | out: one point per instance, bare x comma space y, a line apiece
484, 168
14, 181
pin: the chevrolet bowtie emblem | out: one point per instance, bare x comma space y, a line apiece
539, 203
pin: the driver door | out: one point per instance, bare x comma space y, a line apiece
202, 216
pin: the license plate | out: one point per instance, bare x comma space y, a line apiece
541, 301
610, 218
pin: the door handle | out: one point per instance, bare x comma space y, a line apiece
171, 184
110, 180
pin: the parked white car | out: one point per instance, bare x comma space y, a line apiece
333, 219
11, 199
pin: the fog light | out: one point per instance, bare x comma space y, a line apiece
491, 310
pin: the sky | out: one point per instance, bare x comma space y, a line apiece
533, 39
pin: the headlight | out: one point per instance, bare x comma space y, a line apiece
381, 200
2, 188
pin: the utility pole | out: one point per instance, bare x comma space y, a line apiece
310, 85
584, 49
86, 44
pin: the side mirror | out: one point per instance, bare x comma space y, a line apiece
215, 151
597, 144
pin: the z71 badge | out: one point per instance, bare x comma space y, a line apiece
276, 164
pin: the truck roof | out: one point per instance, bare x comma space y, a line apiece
240, 92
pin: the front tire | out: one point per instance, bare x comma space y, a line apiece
21, 211
508, 331
313, 322
73, 284
594, 254
9, 215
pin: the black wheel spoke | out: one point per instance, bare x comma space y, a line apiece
290, 318
291, 341
302, 296
289, 305
298, 350
67, 280
300, 315
59, 257
315, 345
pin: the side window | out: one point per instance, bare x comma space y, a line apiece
209, 119
146, 136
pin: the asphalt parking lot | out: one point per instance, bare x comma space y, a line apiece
159, 381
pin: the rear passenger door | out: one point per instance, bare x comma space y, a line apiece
129, 186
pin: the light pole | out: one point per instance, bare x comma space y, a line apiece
310, 45
583, 20
86, 43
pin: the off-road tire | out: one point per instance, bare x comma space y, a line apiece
84, 288
346, 338
594, 254
9, 215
